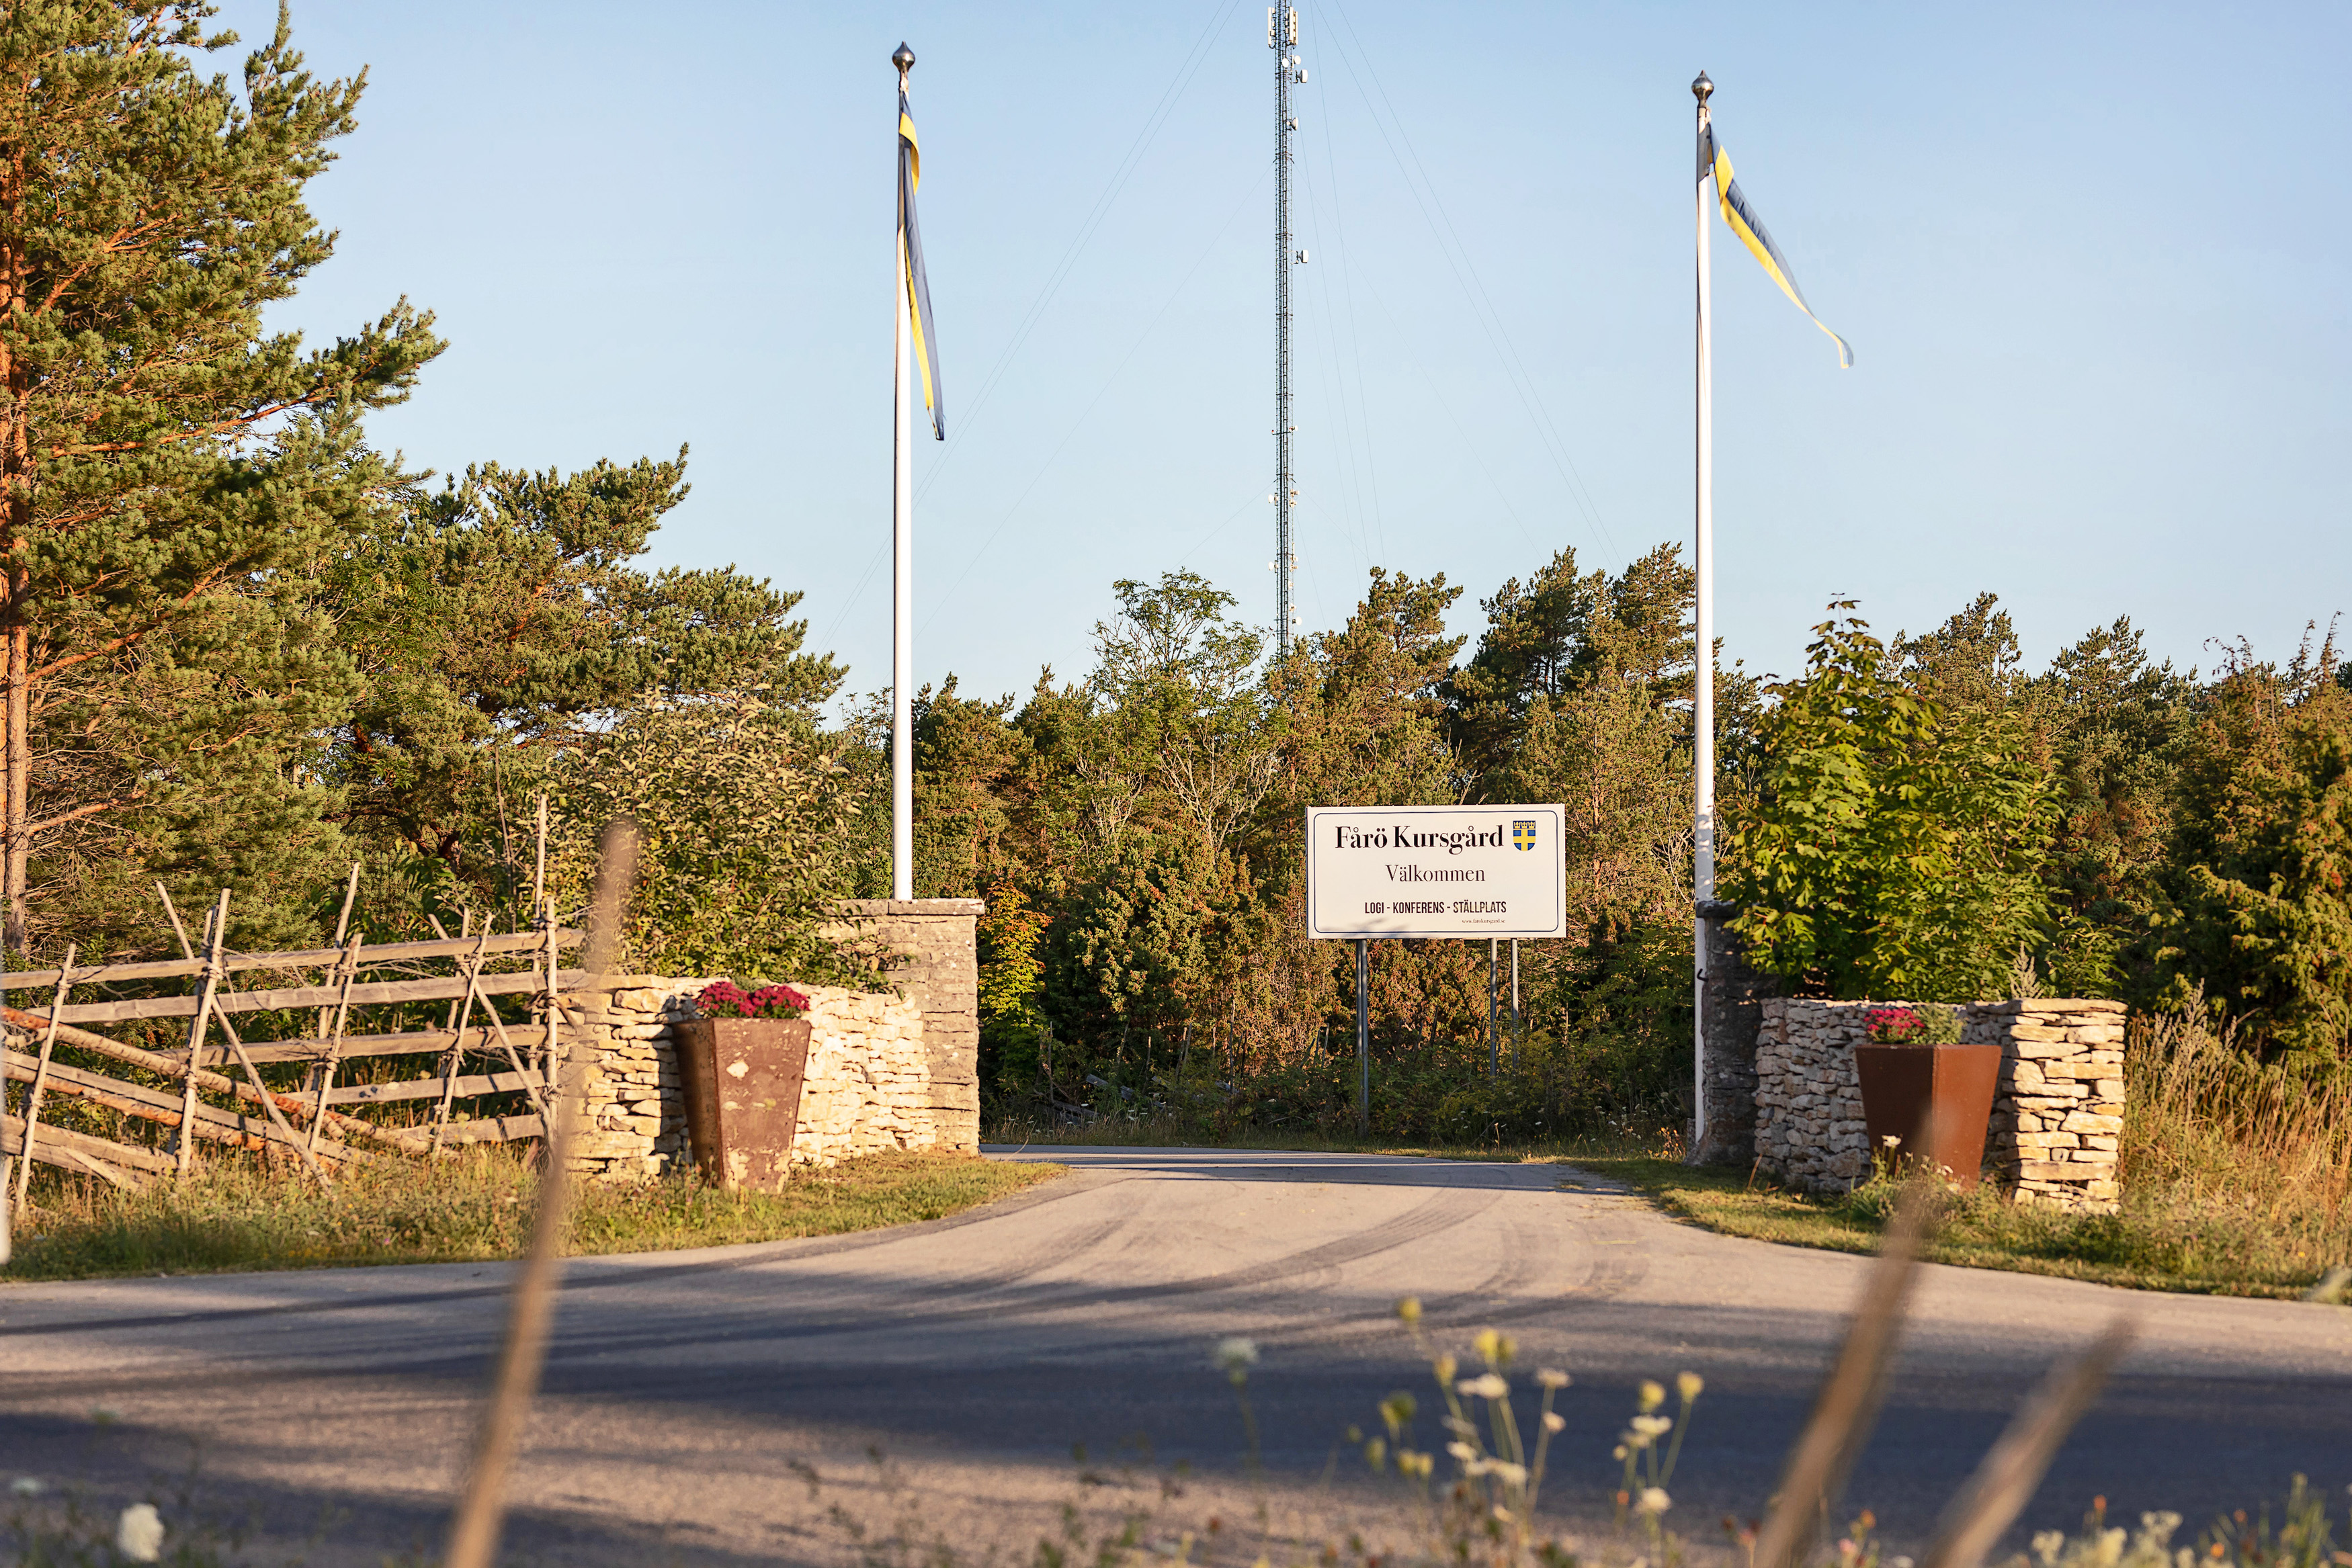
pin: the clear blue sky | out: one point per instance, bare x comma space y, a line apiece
2093, 261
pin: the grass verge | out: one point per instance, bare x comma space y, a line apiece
2237, 1180
2152, 1244
468, 1207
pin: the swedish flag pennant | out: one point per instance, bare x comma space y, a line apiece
910, 244
1742, 220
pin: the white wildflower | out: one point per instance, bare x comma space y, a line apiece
1553, 1421
1511, 1474
1653, 1500
1235, 1354
139, 1534
27, 1485
1488, 1386
1461, 1451
1654, 1426
1551, 1377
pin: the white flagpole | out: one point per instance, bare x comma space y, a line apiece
902, 576
1703, 683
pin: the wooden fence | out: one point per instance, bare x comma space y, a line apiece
216, 1093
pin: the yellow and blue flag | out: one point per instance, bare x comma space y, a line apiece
1742, 221
919, 287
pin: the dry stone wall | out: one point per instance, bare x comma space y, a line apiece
935, 944
2057, 1117
868, 1086
1809, 1126
868, 1089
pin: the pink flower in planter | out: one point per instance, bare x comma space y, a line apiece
725, 999
1893, 1026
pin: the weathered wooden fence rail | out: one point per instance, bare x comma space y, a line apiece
437, 989
300, 1123
311, 958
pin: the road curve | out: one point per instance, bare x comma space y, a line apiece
684, 1389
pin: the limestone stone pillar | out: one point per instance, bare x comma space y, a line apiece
936, 941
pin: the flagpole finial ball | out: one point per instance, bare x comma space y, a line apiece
1701, 88
904, 60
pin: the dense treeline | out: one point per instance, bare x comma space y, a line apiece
1136, 834
244, 649
1918, 818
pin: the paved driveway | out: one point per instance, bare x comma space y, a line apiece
685, 1388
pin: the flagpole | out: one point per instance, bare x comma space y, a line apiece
1703, 683
902, 566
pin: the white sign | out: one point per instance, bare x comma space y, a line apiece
1436, 870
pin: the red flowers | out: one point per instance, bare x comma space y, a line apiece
727, 1000
1893, 1026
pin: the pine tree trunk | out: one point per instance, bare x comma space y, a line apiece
15, 632
20, 753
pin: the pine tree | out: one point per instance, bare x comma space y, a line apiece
159, 453
506, 617
1559, 635
2254, 905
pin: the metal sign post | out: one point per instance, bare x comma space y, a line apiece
1493, 1062
1363, 1037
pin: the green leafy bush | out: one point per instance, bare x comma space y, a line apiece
748, 819
1893, 848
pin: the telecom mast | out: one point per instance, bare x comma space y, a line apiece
1282, 36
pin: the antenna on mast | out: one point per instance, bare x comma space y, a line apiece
1282, 36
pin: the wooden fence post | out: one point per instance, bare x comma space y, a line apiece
41, 1078
215, 937
228, 1031
470, 964
347, 969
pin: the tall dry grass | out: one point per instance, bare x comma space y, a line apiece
2214, 1138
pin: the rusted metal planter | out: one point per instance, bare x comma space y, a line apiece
742, 1080
1936, 1100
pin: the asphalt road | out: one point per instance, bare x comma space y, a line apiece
687, 1391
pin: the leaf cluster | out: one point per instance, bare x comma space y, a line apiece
1896, 843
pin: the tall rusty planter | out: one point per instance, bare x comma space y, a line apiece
1936, 1100
742, 1080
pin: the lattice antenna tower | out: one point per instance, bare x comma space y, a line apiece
1282, 37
